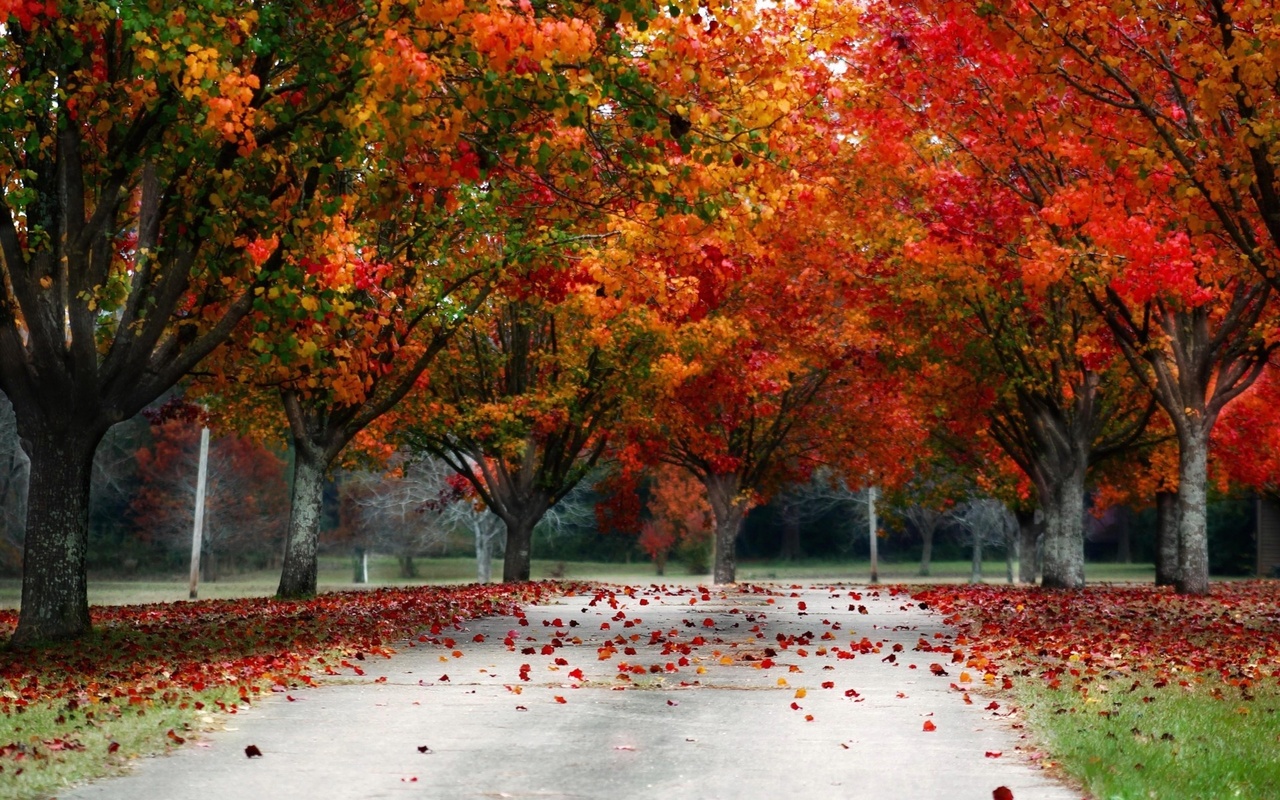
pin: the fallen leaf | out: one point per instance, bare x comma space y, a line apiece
252, 751
1002, 793
929, 726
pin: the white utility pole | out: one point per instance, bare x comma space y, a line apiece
197, 533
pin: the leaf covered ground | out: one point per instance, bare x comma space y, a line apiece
150, 673
1134, 691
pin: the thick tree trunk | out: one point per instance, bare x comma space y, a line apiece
1166, 538
729, 511
725, 562
298, 575
1063, 545
1193, 535
926, 550
1028, 547
516, 562
408, 569
55, 599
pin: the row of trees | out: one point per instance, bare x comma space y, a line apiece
1008, 242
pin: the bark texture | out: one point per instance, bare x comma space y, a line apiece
298, 574
1193, 534
1063, 544
729, 510
55, 600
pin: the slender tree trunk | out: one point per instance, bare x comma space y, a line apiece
516, 562
790, 549
1028, 549
1193, 535
360, 565
1010, 553
1124, 540
1166, 538
298, 575
975, 570
210, 564
926, 549
484, 557
729, 511
55, 598
1063, 548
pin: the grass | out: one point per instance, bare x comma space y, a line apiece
55, 744
1161, 742
336, 573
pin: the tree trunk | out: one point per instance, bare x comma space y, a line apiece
975, 567
484, 557
55, 598
729, 511
298, 575
1166, 538
926, 550
1028, 547
516, 562
209, 562
1010, 553
1124, 538
361, 566
1193, 535
790, 549
1063, 547
408, 569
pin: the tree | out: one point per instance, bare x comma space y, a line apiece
1179, 120
987, 521
679, 517
523, 401
400, 511
151, 180
244, 496
996, 273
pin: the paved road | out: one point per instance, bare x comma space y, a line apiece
708, 709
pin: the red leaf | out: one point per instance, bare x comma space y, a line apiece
576, 674
1002, 793
114, 746
252, 751
422, 748
929, 726
994, 754
444, 679
560, 699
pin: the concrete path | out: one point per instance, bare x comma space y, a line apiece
668, 693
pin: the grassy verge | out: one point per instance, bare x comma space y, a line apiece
1133, 691
1160, 742
151, 675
